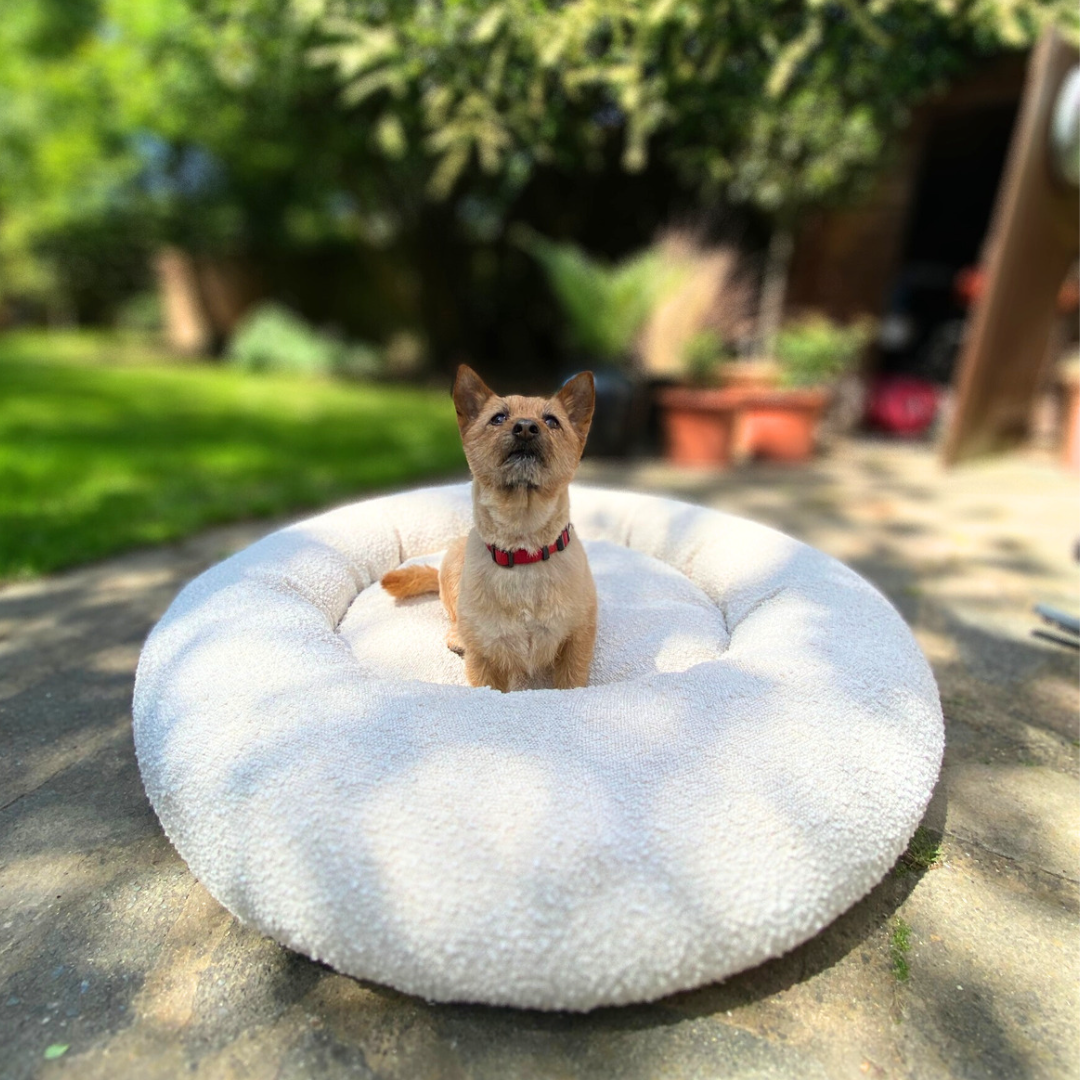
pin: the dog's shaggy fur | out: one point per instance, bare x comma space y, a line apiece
518, 624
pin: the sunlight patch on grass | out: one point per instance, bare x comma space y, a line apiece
97, 458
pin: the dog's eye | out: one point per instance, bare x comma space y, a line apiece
551, 422
498, 418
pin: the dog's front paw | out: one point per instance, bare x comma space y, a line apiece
454, 645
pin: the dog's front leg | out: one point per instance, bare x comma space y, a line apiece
449, 587
482, 672
574, 658
453, 641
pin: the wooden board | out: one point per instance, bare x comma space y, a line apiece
1034, 238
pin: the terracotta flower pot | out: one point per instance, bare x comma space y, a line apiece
698, 424
780, 425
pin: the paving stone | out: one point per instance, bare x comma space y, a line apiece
109, 947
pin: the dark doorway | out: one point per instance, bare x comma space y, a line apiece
962, 164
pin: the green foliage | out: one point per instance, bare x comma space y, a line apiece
105, 348
923, 852
780, 103
97, 458
140, 313
899, 947
704, 355
605, 305
198, 122
360, 360
274, 339
815, 350
278, 124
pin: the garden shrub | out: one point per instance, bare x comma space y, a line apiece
605, 305
141, 313
815, 350
274, 339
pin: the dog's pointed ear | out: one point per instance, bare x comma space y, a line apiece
470, 393
578, 398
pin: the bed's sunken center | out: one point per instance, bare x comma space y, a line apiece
651, 618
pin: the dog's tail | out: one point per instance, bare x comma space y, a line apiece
411, 581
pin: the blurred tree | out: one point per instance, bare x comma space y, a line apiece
778, 104
261, 127
782, 103
54, 125
194, 123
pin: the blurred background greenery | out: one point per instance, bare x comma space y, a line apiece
361, 161
377, 190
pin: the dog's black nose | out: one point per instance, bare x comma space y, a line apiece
526, 429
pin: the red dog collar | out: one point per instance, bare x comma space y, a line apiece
521, 556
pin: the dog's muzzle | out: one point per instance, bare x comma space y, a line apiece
526, 444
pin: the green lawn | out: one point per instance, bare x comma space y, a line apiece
105, 447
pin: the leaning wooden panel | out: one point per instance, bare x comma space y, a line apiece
1033, 241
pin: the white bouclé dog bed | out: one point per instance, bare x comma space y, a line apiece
758, 743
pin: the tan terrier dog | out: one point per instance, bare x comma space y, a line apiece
517, 588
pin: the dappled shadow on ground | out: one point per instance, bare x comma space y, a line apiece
117, 952
808, 800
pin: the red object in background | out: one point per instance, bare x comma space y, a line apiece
970, 283
1069, 295
902, 404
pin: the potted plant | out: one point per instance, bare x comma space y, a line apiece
698, 417
605, 307
780, 423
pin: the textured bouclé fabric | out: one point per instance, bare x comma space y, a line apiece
757, 744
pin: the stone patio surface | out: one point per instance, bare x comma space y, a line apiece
116, 963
